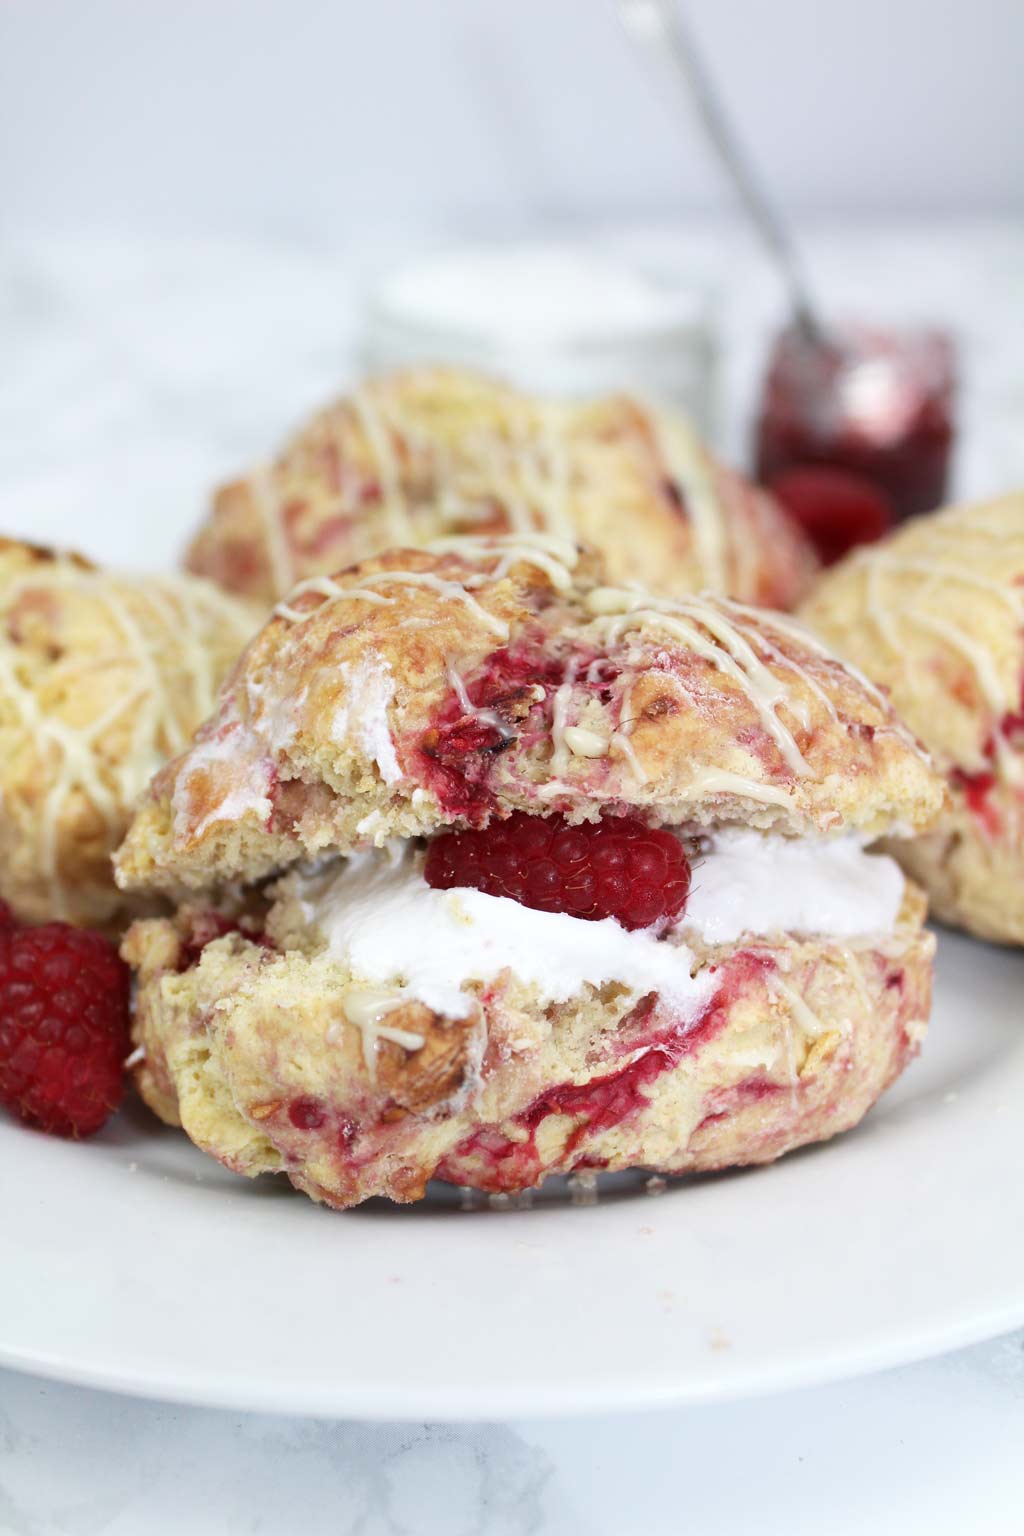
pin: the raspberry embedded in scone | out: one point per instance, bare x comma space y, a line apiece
102, 678
433, 452
936, 615
513, 872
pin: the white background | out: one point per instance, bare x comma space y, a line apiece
274, 116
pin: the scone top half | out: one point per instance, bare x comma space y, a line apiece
935, 614
314, 975
431, 452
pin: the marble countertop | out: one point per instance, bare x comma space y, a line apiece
930, 1450
136, 373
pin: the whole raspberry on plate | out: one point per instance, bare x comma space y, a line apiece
617, 867
63, 1026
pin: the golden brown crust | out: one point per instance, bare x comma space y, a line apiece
936, 615
433, 452
424, 689
102, 677
254, 1053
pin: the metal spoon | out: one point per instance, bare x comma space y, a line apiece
658, 29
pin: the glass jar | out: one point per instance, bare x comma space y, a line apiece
876, 405
554, 320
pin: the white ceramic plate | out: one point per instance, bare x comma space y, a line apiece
134, 1262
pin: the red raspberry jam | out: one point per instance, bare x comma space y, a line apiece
877, 406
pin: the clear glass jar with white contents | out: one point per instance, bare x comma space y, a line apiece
552, 319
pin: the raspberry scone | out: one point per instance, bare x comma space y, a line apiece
936, 615
102, 678
490, 870
426, 454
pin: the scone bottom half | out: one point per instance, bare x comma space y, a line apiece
331, 1002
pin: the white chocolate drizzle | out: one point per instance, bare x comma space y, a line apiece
496, 556
688, 468
275, 537
559, 716
620, 743
800, 1011
378, 435
73, 759
333, 591
367, 1010
452, 451
489, 717
925, 605
704, 627
556, 557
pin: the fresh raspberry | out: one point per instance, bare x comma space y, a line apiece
616, 868
836, 510
63, 1027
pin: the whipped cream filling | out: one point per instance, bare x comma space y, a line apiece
378, 914
749, 883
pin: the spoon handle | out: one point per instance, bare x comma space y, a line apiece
658, 28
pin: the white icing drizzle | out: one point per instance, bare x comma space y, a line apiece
545, 467
189, 612
583, 742
370, 417
857, 980
515, 457
802, 1013
890, 608
473, 448
980, 661
555, 556
559, 715
719, 781
941, 572
688, 467
367, 1009
279, 554
327, 587
489, 717
620, 743
703, 626
792, 629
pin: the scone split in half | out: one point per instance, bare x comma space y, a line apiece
487, 870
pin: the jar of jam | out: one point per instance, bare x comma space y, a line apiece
876, 407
